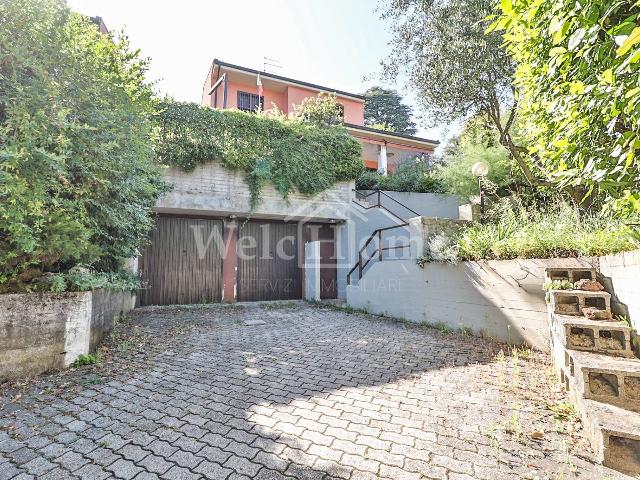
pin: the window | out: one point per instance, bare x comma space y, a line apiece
341, 111
249, 102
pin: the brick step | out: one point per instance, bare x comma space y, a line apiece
572, 274
580, 333
615, 381
573, 302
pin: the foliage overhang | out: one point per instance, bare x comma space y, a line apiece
292, 154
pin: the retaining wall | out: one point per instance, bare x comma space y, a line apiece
501, 299
425, 204
46, 331
212, 189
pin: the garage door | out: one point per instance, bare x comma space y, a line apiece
268, 261
183, 262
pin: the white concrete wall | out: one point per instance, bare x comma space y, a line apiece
216, 190
502, 299
621, 275
352, 235
312, 271
425, 204
47, 331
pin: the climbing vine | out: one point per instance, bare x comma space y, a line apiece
292, 154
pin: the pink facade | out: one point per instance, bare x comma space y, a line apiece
381, 150
281, 95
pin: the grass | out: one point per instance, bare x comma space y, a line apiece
514, 231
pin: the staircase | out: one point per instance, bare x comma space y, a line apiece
595, 362
365, 257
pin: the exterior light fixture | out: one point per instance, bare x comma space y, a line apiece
480, 170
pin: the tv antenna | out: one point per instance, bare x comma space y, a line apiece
270, 62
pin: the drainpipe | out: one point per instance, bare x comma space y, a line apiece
382, 159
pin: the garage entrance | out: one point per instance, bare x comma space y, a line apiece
269, 265
183, 262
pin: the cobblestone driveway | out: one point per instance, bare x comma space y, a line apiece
312, 393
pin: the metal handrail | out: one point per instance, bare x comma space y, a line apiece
360, 265
399, 203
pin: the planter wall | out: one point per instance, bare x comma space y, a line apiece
46, 331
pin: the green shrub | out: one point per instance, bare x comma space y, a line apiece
291, 153
478, 141
88, 359
411, 176
78, 178
75, 280
513, 231
577, 79
517, 232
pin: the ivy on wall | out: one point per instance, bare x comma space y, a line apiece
292, 154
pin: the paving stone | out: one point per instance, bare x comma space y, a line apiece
71, 461
185, 459
8, 470
125, 469
92, 472
154, 464
180, 473
357, 398
213, 470
38, 466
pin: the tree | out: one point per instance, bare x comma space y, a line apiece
321, 110
478, 140
578, 64
78, 177
384, 108
455, 69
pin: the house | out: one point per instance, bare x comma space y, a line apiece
209, 245
233, 86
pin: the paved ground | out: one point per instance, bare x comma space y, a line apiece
313, 393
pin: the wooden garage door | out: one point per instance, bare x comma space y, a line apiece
268, 267
183, 262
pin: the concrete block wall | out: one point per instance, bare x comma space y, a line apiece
215, 190
47, 331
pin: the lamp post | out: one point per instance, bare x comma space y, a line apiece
480, 170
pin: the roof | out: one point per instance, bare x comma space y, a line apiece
383, 134
287, 79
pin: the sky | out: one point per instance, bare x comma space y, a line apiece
334, 43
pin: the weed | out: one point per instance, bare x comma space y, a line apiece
466, 331
514, 427
278, 305
92, 380
563, 411
515, 363
623, 319
557, 285
340, 307
88, 359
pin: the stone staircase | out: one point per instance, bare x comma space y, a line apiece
595, 361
